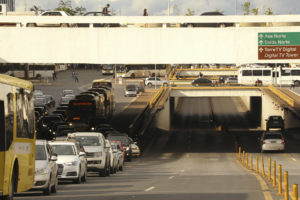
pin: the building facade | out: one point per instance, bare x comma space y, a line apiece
10, 4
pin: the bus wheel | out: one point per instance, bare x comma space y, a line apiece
31, 25
39, 77
297, 83
64, 25
132, 75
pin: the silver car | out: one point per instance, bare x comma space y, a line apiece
272, 140
46, 169
131, 90
155, 81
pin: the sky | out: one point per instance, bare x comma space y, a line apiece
177, 7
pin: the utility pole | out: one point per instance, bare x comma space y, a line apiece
25, 5
168, 7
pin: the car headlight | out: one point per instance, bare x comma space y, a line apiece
44, 125
70, 124
72, 163
127, 148
54, 133
41, 171
98, 154
93, 128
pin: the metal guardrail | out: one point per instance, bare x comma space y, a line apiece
282, 96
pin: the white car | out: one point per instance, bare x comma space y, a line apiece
113, 158
119, 154
150, 81
131, 90
66, 92
71, 161
135, 150
272, 140
96, 152
46, 169
52, 13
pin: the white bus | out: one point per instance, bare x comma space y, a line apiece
269, 76
141, 71
37, 71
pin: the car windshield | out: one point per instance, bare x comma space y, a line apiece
273, 136
40, 153
276, 118
131, 87
63, 150
124, 140
88, 140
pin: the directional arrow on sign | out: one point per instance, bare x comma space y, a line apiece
260, 42
261, 36
261, 49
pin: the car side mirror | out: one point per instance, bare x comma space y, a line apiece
53, 158
82, 153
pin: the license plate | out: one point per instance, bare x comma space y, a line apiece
273, 141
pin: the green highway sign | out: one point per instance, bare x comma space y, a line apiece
278, 38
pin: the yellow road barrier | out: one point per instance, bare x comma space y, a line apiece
257, 164
243, 159
274, 173
262, 166
247, 163
279, 180
269, 172
282, 96
295, 192
286, 186
251, 162
240, 150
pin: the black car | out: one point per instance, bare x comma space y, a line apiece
275, 122
62, 108
202, 82
221, 24
63, 130
61, 112
50, 100
43, 111
103, 128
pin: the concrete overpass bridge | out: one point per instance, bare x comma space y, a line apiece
142, 40
261, 102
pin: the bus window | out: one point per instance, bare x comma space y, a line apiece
285, 72
295, 72
2, 127
266, 72
247, 73
257, 72
9, 121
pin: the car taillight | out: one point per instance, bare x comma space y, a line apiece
264, 142
282, 141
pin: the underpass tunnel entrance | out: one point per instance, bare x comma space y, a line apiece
213, 112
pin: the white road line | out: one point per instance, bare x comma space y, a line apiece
171, 177
149, 189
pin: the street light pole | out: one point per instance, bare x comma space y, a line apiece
168, 7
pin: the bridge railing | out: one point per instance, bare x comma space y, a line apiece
259, 20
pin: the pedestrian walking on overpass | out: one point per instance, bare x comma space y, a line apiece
105, 10
145, 12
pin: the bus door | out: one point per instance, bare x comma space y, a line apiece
275, 77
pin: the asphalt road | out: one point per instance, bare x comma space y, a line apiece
193, 161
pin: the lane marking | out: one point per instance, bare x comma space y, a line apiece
171, 177
263, 185
291, 158
149, 189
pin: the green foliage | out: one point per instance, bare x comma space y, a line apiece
67, 7
246, 8
189, 12
254, 11
36, 9
269, 11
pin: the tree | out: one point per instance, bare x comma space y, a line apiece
67, 7
36, 9
254, 11
189, 12
80, 10
269, 11
246, 8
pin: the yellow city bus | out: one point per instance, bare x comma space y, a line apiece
17, 136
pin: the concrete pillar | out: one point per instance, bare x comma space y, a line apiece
176, 101
246, 100
162, 119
